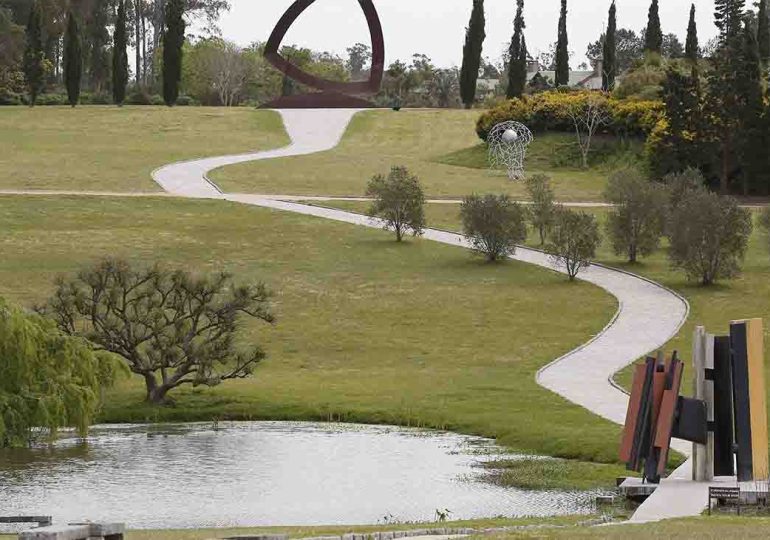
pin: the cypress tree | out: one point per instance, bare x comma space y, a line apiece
120, 56
474, 44
653, 40
34, 57
562, 49
173, 40
723, 105
73, 60
763, 31
610, 52
752, 149
692, 49
517, 73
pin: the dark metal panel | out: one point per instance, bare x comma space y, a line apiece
724, 462
741, 403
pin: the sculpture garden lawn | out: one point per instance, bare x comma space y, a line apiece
115, 149
439, 146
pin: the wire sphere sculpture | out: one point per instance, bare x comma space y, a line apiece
508, 143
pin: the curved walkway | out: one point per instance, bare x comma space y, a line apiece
648, 316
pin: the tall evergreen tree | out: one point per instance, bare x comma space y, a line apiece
517, 73
692, 49
653, 40
728, 17
752, 139
763, 31
474, 44
610, 51
73, 59
562, 49
173, 40
120, 56
34, 56
723, 105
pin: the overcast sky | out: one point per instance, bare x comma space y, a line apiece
436, 27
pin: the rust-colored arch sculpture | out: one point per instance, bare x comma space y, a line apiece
333, 93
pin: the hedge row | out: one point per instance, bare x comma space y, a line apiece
135, 98
548, 111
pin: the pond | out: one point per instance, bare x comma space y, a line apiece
264, 473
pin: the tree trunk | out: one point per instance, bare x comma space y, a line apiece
156, 395
138, 36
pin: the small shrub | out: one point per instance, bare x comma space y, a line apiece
494, 225
543, 210
399, 202
709, 237
637, 220
573, 241
139, 97
764, 221
681, 185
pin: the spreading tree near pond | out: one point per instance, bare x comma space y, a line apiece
474, 43
173, 40
399, 201
34, 56
562, 49
171, 327
73, 60
120, 56
494, 225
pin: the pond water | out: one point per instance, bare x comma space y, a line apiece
264, 473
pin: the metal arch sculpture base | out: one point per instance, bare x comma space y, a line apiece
319, 100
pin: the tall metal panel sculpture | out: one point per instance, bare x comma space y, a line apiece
726, 420
333, 94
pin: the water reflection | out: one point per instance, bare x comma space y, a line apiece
265, 473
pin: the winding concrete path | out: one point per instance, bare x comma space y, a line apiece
648, 316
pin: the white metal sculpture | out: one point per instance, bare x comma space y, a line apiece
508, 143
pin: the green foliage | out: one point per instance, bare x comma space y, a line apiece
692, 49
11, 59
474, 43
653, 39
493, 224
73, 60
34, 57
170, 327
517, 72
48, 381
763, 31
709, 236
542, 212
636, 222
399, 202
562, 49
573, 241
677, 143
550, 111
610, 52
680, 186
120, 56
764, 221
173, 40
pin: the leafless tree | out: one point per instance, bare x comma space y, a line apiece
171, 327
228, 70
588, 116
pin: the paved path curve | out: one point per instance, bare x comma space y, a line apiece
648, 316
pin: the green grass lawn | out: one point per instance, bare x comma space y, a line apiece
700, 528
713, 307
115, 149
440, 146
418, 334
